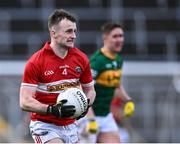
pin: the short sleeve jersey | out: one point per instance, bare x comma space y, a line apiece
51, 75
106, 72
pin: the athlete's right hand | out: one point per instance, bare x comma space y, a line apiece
60, 110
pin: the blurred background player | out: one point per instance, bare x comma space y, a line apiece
106, 65
123, 124
54, 68
127, 132
88, 127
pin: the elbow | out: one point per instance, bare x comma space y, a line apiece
94, 94
93, 97
23, 105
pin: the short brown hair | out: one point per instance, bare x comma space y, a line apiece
58, 15
109, 26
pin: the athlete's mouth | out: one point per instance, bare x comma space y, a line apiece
70, 40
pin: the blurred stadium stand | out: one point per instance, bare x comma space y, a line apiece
151, 34
151, 27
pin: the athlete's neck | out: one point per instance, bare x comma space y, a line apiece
59, 51
108, 52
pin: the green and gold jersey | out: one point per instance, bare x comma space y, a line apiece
106, 71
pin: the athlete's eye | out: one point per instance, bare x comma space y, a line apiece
118, 35
71, 31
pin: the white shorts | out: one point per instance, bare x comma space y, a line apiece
124, 135
42, 132
106, 123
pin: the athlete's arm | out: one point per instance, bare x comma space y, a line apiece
129, 105
91, 126
90, 93
121, 93
28, 103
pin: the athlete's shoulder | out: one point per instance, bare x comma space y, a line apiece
120, 60
119, 57
77, 52
38, 56
97, 56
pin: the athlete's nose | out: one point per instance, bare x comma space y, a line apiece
73, 35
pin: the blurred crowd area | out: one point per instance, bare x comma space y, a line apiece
151, 34
151, 26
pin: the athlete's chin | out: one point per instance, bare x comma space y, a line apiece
69, 45
118, 49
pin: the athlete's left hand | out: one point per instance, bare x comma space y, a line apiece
129, 108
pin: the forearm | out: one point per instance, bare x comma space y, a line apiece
90, 93
122, 94
129, 105
29, 103
32, 105
90, 113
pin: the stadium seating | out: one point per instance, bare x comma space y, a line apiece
147, 24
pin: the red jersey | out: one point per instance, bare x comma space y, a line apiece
51, 74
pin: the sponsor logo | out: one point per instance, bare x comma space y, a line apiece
94, 73
82, 99
62, 86
48, 72
115, 64
109, 65
64, 67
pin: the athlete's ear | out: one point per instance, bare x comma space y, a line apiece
104, 37
53, 34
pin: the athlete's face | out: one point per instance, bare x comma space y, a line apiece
65, 33
114, 40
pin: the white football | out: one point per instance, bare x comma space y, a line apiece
74, 97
